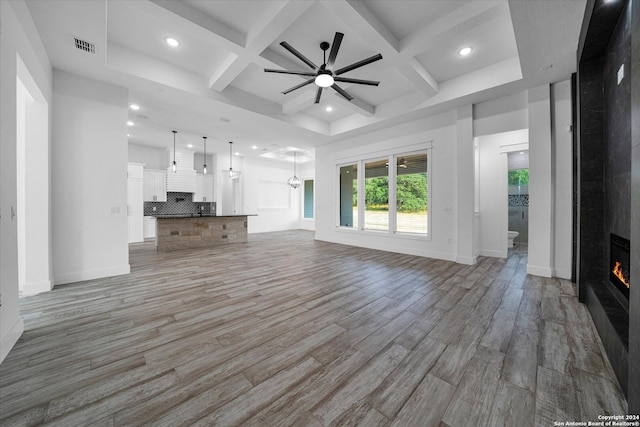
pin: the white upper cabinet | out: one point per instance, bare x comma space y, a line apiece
204, 188
155, 186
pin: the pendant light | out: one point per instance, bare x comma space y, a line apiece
204, 143
174, 166
294, 182
232, 173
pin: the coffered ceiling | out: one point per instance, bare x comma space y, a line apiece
213, 83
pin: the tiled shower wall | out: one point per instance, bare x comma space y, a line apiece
178, 203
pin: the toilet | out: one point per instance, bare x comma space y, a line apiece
512, 235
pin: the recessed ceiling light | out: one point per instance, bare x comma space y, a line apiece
236, 153
129, 123
255, 147
128, 135
465, 51
329, 109
134, 107
172, 42
522, 152
189, 145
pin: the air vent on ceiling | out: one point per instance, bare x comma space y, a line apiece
85, 46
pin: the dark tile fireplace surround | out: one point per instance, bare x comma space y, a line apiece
607, 160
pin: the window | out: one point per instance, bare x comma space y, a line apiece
394, 199
349, 196
376, 195
411, 193
519, 177
308, 198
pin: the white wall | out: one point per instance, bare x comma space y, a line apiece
541, 190
459, 233
152, 157
19, 41
441, 131
466, 246
89, 179
562, 146
499, 115
278, 206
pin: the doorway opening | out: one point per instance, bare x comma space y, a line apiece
518, 196
32, 185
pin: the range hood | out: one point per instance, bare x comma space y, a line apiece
184, 179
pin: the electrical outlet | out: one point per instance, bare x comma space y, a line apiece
115, 210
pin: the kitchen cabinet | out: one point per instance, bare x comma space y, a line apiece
155, 186
149, 227
204, 188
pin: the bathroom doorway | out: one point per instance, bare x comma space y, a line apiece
518, 195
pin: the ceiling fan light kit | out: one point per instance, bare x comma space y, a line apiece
324, 76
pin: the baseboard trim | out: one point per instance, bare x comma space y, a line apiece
492, 253
383, 245
79, 276
12, 337
468, 260
535, 270
562, 273
33, 288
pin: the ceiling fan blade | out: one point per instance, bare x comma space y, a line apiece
342, 92
318, 95
300, 56
334, 50
298, 73
298, 86
358, 81
358, 64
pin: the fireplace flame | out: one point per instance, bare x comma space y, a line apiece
617, 271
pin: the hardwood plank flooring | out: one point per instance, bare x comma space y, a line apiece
288, 331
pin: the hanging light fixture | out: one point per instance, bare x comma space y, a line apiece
232, 173
294, 182
174, 166
204, 143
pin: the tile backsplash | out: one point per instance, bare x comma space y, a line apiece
178, 203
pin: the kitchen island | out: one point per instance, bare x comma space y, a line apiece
185, 231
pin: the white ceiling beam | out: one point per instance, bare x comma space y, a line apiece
299, 102
230, 38
471, 15
356, 105
364, 22
272, 23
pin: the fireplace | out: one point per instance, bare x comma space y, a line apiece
619, 265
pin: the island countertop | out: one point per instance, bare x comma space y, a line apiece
174, 232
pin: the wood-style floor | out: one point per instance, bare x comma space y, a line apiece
285, 330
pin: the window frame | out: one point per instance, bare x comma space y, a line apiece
391, 156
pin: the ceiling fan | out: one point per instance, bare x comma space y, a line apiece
325, 76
